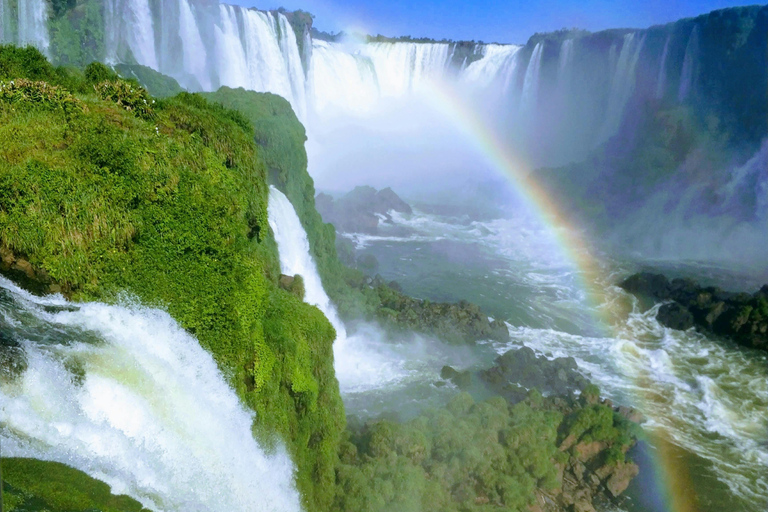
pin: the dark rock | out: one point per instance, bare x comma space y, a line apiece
647, 284
675, 316
462, 380
739, 316
360, 210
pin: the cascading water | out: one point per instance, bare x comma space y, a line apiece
661, 81
126, 395
498, 65
362, 361
530, 94
30, 27
687, 74
622, 85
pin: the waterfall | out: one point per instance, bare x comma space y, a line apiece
405, 67
661, 82
193, 48
566, 58
689, 65
530, 94
32, 24
362, 361
341, 80
622, 85
124, 394
4, 29
498, 64
295, 257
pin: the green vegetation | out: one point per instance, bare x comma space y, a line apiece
76, 32
156, 84
30, 484
171, 206
466, 456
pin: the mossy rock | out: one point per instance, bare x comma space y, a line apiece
35, 485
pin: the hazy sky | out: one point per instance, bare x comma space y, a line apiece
489, 20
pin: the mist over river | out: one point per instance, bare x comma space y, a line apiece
707, 398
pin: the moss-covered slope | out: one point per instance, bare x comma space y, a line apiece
104, 190
31, 485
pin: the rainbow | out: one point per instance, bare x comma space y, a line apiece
671, 475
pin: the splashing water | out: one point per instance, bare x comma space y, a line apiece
127, 396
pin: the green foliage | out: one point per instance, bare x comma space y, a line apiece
96, 72
174, 212
22, 93
132, 98
39, 485
600, 423
464, 457
156, 84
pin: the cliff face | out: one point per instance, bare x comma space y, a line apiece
108, 191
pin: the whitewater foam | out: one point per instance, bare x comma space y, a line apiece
124, 394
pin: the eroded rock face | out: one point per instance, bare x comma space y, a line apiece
739, 316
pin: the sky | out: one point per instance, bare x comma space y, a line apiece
488, 20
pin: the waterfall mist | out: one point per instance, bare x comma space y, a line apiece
124, 394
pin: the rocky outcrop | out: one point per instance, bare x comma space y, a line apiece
740, 317
594, 435
454, 323
360, 210
516, 371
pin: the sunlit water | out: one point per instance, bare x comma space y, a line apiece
124, 394
708, 398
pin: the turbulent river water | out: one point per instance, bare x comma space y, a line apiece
706, 401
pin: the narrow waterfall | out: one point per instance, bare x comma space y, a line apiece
124, 394
30, 26
530, 94
566, 58
661, 81
362, 361
689, 65
622, 85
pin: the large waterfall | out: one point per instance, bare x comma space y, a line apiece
205, 45
124, 394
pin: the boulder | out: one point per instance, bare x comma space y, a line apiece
647, 284
620, 478
675, 316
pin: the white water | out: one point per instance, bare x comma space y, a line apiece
363, 361
707, 397
687, 74
31, 24
622, 84
530, 94
151, 414
661, 81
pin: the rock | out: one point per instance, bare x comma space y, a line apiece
647, 284
462, 380
583, 505
675, 316
631, 414
587, 451
292, 284
621, 477
739, 316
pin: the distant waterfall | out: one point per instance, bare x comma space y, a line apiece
29, 27
687, 74
622, 85
127, 396
661, 81
341, 80
530, 94
498, 65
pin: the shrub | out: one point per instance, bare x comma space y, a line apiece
129, 96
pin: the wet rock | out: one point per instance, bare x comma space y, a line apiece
740, 317
522, 367
675, 316
647, 284
462, 380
